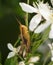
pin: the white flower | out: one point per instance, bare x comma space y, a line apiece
42, 27
34, 59
14, 51
42, 10
31, 61
36, 19
47, 13
31, 64
21, 63
51, 48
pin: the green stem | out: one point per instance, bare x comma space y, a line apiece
48, 55
26, 19
20, 57
27, 1
32, 37
17, 41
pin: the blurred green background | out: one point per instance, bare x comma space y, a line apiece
9, 28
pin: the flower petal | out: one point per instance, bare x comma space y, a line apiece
31, 64
21, 63
52, 52
28, 8
18, 48
10, 47
34, 59
51, 32
11, 54
50, 46
42, 27
34, 22
24, 53
51, 58
44, 10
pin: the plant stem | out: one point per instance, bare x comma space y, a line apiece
48, 55
27, 1
20, 57
17, 41
26, 19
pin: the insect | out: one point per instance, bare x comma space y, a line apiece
25, 37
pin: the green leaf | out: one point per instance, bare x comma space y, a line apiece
45, 35
51, 63
0, 64
38, 39
0, 57
11, 61
36, 45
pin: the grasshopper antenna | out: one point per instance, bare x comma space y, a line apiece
18, 21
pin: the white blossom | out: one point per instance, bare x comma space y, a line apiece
31, 64
21, 63
51, 49
34, 59
31, 61
30, 9
13, 50
42, 10
47, 13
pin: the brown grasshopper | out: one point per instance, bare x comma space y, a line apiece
25, 37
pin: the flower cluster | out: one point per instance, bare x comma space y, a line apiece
14, 51
31, 61
43, 13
